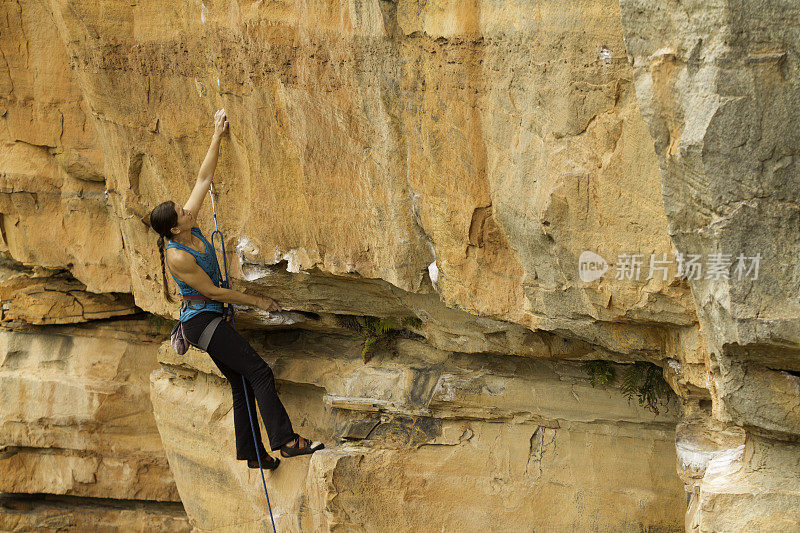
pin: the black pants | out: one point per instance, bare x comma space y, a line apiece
235, 358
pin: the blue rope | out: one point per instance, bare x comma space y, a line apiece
229, 310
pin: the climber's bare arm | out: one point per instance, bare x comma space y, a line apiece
206, 171
183, 265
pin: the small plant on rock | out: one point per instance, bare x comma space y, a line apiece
600, 372
381, 332
642, 379
647, 382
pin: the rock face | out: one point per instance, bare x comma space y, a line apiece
53, 513
719, 88
430, 440
450, 162
77, 422
74, 422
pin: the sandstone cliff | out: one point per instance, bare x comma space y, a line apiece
448, 161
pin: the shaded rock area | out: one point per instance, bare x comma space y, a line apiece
447, 162
63, 513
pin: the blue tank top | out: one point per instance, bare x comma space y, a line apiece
208, 262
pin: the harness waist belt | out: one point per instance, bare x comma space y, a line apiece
196, 297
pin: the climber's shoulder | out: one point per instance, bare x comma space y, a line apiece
180, 260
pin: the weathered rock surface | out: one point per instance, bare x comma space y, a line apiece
77, 419
719, 87
448, 161
429, 441
564, 128
739, 480
58, 299
58, 513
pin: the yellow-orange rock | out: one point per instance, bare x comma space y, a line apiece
443, 160
77, 418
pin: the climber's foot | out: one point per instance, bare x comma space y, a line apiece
300, 446
270, 463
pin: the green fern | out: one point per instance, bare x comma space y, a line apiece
369, 345
377, 332
385, 325
641, 379
600, 372
645, 381
412, 322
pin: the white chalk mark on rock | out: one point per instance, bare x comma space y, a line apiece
714, 462
605, 55
723, 463
251, 272
246, 247
278, 318
292, 258
433, 272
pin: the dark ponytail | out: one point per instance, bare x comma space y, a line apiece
164, 269
162, 219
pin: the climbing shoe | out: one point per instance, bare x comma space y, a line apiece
300, 446
271, 464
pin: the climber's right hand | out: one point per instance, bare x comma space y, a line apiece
220, 122
268, 304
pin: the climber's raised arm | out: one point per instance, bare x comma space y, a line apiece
206, 171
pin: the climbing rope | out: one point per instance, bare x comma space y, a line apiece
224, 284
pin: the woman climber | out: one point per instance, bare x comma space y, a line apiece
192, 262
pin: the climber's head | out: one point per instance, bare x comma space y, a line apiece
170, 219
163, 218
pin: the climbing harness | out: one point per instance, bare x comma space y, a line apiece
229, 309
